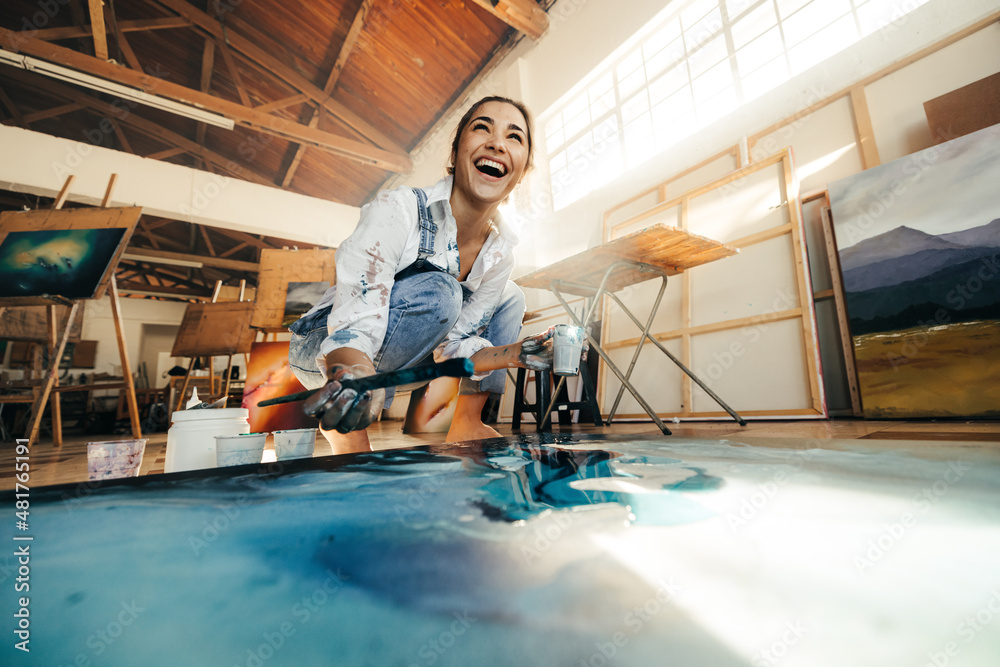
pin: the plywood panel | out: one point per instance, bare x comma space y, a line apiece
666, 248
896, 101
280, 267
965, 110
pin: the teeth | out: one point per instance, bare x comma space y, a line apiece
486, 162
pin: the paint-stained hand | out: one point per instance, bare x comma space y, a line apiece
536, 351
341, 408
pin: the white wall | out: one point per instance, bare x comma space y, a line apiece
98, 325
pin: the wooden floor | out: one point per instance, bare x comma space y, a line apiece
68, 464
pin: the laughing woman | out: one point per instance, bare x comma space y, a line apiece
426, 276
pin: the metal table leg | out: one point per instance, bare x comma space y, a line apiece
624, 378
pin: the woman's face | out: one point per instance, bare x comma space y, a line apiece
492, 153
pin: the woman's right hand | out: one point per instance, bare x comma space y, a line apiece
343, 409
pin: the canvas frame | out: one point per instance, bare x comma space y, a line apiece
680, 397
124, 218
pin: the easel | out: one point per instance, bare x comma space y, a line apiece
214, 329
57, 344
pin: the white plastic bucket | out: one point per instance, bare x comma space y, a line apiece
191, 438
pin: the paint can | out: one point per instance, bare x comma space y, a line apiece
191, 438
567, 347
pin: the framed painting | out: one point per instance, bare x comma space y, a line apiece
919, 247
48, 256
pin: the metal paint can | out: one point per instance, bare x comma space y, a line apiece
567, 346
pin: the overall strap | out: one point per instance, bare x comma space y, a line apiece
428, 229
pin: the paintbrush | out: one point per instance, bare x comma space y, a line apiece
457, 368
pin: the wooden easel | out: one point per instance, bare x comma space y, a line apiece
212, 330
57, 344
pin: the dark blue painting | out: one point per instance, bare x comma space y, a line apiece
68, 263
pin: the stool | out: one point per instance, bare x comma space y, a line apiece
543, 391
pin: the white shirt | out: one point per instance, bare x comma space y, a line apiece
384, 243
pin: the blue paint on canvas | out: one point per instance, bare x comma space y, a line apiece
68, 263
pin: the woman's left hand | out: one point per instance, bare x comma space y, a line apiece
536, 351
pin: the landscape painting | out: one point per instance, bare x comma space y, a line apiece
919, 246
69, 262
300, 298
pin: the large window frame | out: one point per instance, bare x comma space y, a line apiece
695, 63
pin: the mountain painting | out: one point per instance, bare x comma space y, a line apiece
919, 246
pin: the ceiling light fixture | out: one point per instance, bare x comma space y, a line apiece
150, 259
112, 88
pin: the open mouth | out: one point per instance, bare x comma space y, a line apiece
491, 167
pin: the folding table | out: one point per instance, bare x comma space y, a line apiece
657, 251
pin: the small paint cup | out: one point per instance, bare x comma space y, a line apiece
115, 459
567, 346
238, 450
298, 443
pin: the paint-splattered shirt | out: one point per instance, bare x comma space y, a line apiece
385, 242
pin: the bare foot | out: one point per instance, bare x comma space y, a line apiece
470, 431
347, 443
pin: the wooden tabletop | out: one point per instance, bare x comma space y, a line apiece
668, 249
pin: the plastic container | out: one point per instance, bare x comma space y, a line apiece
115, 459
237, 450
191, 438
296, 443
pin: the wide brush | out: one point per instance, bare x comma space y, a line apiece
457, 368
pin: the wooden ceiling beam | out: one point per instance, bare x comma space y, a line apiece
227, 57
15, 113
53, 112
235, 249
167, 153
148, 233
522, 15
283, 103
267, 62
124, 46
208, 241
262, 122
248, 239
97, 28
53, 34
205, 83
331, 84
122, 139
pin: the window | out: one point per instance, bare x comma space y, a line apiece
700, 60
